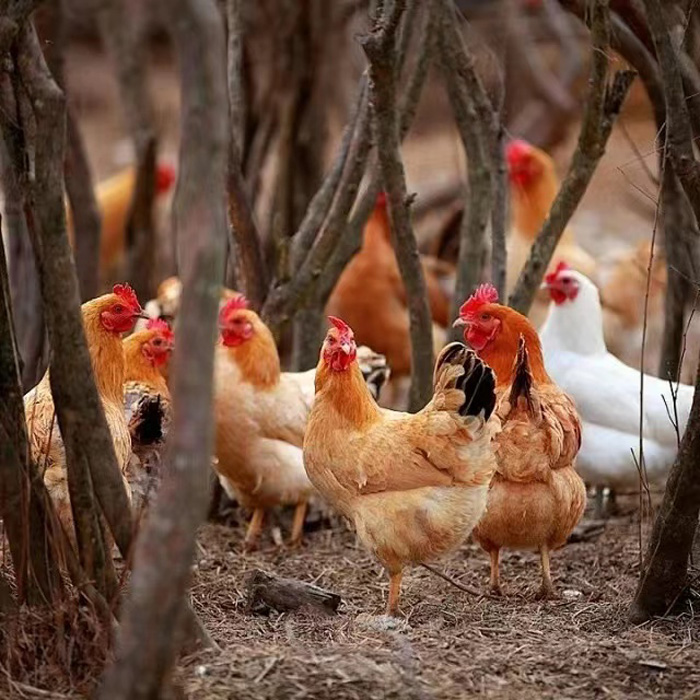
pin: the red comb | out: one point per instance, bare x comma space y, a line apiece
552, 276
235, 303
340, 324
516, 150
484, 294
158, 324
126, 294
165, 177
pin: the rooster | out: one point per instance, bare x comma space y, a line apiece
533, 187
374, 274
105, 319
146, 404
114, 197
412, 485
536, 497
606, 391
261, 414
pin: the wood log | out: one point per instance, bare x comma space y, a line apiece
265, 592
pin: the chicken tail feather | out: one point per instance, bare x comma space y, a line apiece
522, 377
146, 424
460, 368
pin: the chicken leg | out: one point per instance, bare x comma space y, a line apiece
298, 524
254, 529
495, 582
392, 605
547, 588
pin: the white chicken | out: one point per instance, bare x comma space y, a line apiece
607, 391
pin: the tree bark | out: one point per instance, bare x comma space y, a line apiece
602, 107
147, 643
245, 242
380, 47
122, 35
24, 520
84, 430
664, 574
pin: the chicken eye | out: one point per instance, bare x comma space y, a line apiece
567, 281
331, 340
485, 317
157, 341
118, 309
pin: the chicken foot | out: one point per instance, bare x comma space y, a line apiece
547, 588
298, 524
254, 530
392, 605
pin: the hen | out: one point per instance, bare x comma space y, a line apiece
146, 405
533, 187
412, 485
536, 497
374, 274
104, 319
606, 391
114, 197
261, 414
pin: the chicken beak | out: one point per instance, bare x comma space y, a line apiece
143, 314
346, 348
459, 321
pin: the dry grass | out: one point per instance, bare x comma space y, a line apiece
450, 645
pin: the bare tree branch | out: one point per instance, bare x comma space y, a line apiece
84, 430
476, 136
147, 643
245, 242
602, 107
380, 47
125, 44
36, 574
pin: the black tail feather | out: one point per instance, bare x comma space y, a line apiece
522, 376
478, 381
146, 424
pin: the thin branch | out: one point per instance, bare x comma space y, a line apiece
380, 47
602, 107
476, 136
148, 641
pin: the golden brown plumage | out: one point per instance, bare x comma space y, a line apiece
412, 485
536, 497
146, 406
533, 187
114, 197
104, 320
370, 296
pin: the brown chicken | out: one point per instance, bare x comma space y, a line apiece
105, 320
533, 187
114, 197
413, 485
370, 296
261, 415
146, 405
536, 497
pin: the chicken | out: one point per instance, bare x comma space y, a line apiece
261, 414
606, 391
373, 275
413, 485
536, 497
104, 319
146, 405
114, 197
533, 188
623, 285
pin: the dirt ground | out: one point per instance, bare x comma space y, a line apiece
450, 645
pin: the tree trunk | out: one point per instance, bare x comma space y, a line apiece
23, 518
147, 643
664, 574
